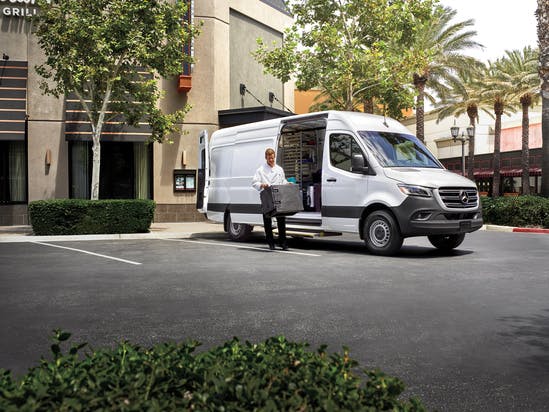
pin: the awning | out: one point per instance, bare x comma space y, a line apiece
506, 172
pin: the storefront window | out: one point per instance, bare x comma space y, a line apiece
125, 170
13, 172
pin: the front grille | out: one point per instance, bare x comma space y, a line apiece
459, 197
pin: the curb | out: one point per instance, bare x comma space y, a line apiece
24, 234
530, 230
496, 228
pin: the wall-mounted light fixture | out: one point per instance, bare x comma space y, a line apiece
47, 158
184, 159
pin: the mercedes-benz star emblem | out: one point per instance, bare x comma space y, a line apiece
464, 197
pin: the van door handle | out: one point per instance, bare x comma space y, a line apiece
331, 179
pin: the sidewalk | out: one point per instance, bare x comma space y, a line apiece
179, 230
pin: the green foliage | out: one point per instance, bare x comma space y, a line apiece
354, 51
522, 211
94, 49
79, 216
275, 375
111, 54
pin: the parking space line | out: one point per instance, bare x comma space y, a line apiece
242, 246
89, 253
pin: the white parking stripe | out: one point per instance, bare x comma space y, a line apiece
89, 253
242, 246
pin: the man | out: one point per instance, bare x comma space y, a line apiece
267, 175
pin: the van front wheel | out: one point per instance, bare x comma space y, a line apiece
446, 242
238, 231
381, 233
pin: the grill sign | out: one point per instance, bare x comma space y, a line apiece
19, 8
464, 197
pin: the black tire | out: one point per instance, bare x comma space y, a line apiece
382, 234
446, 242
238, 231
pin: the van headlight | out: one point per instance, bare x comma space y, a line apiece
411, 190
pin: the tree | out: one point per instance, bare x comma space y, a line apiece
542, 14
355, 51
93, 49
500, 94
463, 95
519, 69
443, 41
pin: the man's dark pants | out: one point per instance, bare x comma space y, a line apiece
281, 224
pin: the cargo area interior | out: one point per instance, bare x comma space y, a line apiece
300, 155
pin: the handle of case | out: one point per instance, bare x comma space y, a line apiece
331, 179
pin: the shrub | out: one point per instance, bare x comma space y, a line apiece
271, 376
79, 216
516, 211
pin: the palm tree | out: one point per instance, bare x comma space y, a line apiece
444, 41
519, 70
542, 14
463, 95
499, 93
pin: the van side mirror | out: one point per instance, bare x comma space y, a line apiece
358, 164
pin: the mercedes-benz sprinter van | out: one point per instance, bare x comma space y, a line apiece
358, 173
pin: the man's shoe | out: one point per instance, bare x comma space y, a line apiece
284, 247
271, 246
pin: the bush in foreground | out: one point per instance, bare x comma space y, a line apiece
272, 376
81, 217
525, 211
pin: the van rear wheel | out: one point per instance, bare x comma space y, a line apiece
238, 231
446, 242
381, 233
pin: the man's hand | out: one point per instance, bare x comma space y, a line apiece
264, 185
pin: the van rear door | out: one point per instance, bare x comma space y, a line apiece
203, 172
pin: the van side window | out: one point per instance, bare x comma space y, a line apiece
342, 149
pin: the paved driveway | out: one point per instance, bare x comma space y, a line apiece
465, 331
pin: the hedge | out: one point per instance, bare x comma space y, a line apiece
276, 375
523, 211
79, 216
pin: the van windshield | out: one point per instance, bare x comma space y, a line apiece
398, 150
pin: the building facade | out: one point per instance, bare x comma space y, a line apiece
439, 140
45, 143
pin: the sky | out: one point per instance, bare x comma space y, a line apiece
500, 24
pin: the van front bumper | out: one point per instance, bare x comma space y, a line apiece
418, 216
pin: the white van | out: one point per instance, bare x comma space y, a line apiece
358, 173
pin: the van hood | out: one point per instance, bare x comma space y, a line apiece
433, 178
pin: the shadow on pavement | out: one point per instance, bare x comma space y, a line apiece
336, 245
533, 331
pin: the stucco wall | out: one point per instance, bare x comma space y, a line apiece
244, 69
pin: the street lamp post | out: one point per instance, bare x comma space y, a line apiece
454, 130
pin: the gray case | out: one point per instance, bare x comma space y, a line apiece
281, 200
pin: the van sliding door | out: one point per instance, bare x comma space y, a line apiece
343, 191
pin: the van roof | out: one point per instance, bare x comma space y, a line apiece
353, 120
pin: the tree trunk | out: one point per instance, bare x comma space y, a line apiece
369, 105
96, 166
419, 82
525, 100
498, 110
542, 14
